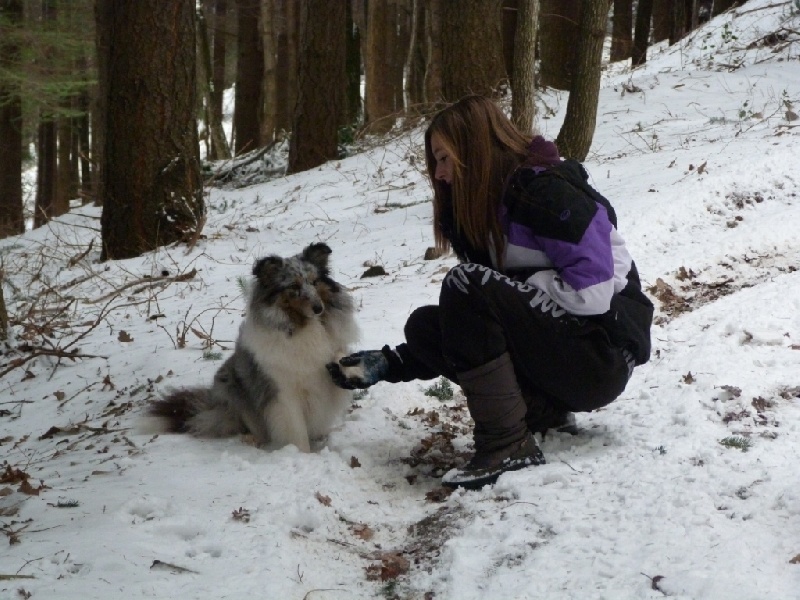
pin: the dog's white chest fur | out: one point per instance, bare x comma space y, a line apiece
307, 402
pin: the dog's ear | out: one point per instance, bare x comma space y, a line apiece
317, 254
269, 265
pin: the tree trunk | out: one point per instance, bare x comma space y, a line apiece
472, 48
402, 17
66, 169
692, 14
11, 214
678, 28
249, 74
433, 52
662, 20
523, 80
64, 179
508, 26
575, 138
353, 111
414, 68
641, 39
379, 97
85, 147
46, 171
151, 187
219, 143
559, 28
103, 13
218, 70
3, 313
720, 6
286, 69
621, 36
269, 93
47, 143
321, 85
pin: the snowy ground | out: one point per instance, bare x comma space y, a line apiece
654, 499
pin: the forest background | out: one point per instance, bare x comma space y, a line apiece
685, 487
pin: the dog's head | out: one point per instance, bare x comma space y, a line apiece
297, 288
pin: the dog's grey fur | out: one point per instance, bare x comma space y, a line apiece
275, 385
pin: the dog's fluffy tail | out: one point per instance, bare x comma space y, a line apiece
194, 411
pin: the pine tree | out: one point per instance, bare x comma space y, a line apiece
151, 188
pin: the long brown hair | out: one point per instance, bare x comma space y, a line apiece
485, 147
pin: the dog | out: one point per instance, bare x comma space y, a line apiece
275, 386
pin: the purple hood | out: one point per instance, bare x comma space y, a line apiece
543, 153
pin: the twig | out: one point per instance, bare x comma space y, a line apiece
744, 12
144, 280
570, 466
78, 258
27, 562
88, 387
308, 594
61, 353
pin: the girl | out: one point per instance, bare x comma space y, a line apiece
543, 316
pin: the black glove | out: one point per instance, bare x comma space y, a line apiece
360, 370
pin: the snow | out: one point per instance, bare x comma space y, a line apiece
697, 156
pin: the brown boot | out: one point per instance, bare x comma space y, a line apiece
502, 440
542, 416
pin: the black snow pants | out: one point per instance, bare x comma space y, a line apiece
563, 361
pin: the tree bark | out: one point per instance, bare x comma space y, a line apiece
46, 170
64, 176
11, 213
720, 6
379, 97
3, 313
433, 52
559, 28
269, 93
508, 25
662, 20
472, 48
85, 150
353, 112
321, 85
523, 80
151, 187
575, 138
414, 68
249, 74
219, 143
219, 53
678, 28
402, 17
103, 12
47, 144
692, 14
641, 39
286, 69
621, 37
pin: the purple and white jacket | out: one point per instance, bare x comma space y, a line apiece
561, 238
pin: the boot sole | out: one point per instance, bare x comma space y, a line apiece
479, 479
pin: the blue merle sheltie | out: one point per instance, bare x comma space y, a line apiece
275, 386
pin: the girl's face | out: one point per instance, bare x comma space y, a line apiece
444, 162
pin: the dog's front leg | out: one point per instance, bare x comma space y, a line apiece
287, 425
